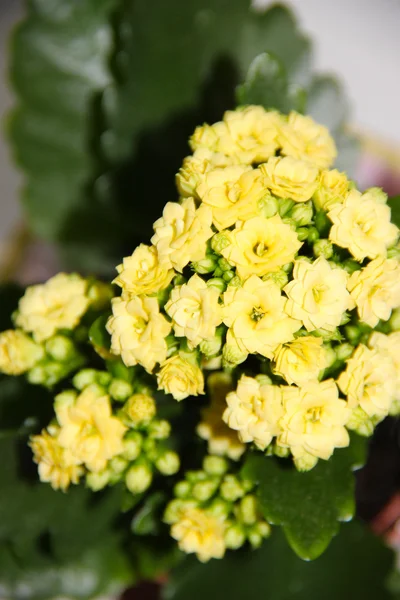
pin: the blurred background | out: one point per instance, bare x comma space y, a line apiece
356, 40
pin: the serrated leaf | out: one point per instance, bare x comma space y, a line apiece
326, 102
310, 505
355, 566
394, 204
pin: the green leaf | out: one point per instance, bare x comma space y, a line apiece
308, 505
148, 518
394, 204
355, 566
266, 84
98, 334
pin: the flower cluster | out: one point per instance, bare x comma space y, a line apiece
215, 510
106, 430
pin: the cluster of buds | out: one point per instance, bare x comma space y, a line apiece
215, 509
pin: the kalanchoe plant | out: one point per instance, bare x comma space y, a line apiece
272, 287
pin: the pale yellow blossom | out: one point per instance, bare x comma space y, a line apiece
180, 377
332, 189
181, 234
141, 273
87, 428
260, 246
255, 313
138, 331
194, 310
369, 382
389, 345
57, 304
56, 465
362, 225
232, 193
314, 419
287, 177
18, 352
302, 138
199, 532
254, 411
222, 440
195, 167
376, 290
208, 137
317, 295
300, 360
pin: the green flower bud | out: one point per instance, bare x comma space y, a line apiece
100, 294
207, 265
159, 429
84, 378
97, 481
168, 463
138, 478
118, 465
279, 277
291, 222
212, 346
302, 233
323, 248
330, 354
204, 490
219, 242
328, 336
353, 334
61, 348
263, 379
139, 409
217, 283
394, 410
302, 214
37, 376
236, 281
224, 265
345, 319
182, 489
394, 252
132, 445
194, 476
228, 276
305, 462
232, 356
218, 272
313, 235
174, 509
215, 465
378, 194
231, 489
219, 508
284, 206
322, 222
288, 268
234, 537
281, 451
268, 206
394, 321
255, 538
65, 399
360, 422
120, 390
344, 351
351, 265
150, 447
248, 510
263, 528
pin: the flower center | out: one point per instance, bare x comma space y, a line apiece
260, 249
318, 292
139, 325
314, 414
257, 313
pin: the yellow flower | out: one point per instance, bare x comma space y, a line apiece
208, 137
376, 290
256, 315
388, 345
314, 419
56, 465
369, 381
317, 295
254, 411
194, 310
180, 377
362, 225
181, 233
87, 428
18, 353
200, 532
260, 246
140, 408
195, 167
222, 440
141, 273
138, 331
301, 360
57, 304
290, 178
332, 189
302, 138
232, 193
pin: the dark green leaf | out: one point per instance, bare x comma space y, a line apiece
98, 334
354, 567
308, 505
148, 518
394, 204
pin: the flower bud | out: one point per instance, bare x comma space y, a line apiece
138, 478
394, 252
350, 265
394, 410
218, 283
248, 510
228, 276
18, 352
281, 451
394, 321
302, 214
234, 537
118, 465
151, 449
279, 277
313, 235
159, 429
263, 379
215, 465
175, 508
285, 205
330, 355
305, 462
344, 351
236, 281
120, 390
219, 508
84, 378
376, 194
100, 294
212, 346
194, 476
204, 490
232, 356
132, 444
207, 265
291, 222
140, 409
231, 489
255, 538
218, 272
61, 348
360, 422
302, 233
219, 242
268, 206
168, 463
323, 248
288, 268
64, 399
224, 265
97, 481
182, 489
37, 375
353, 334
